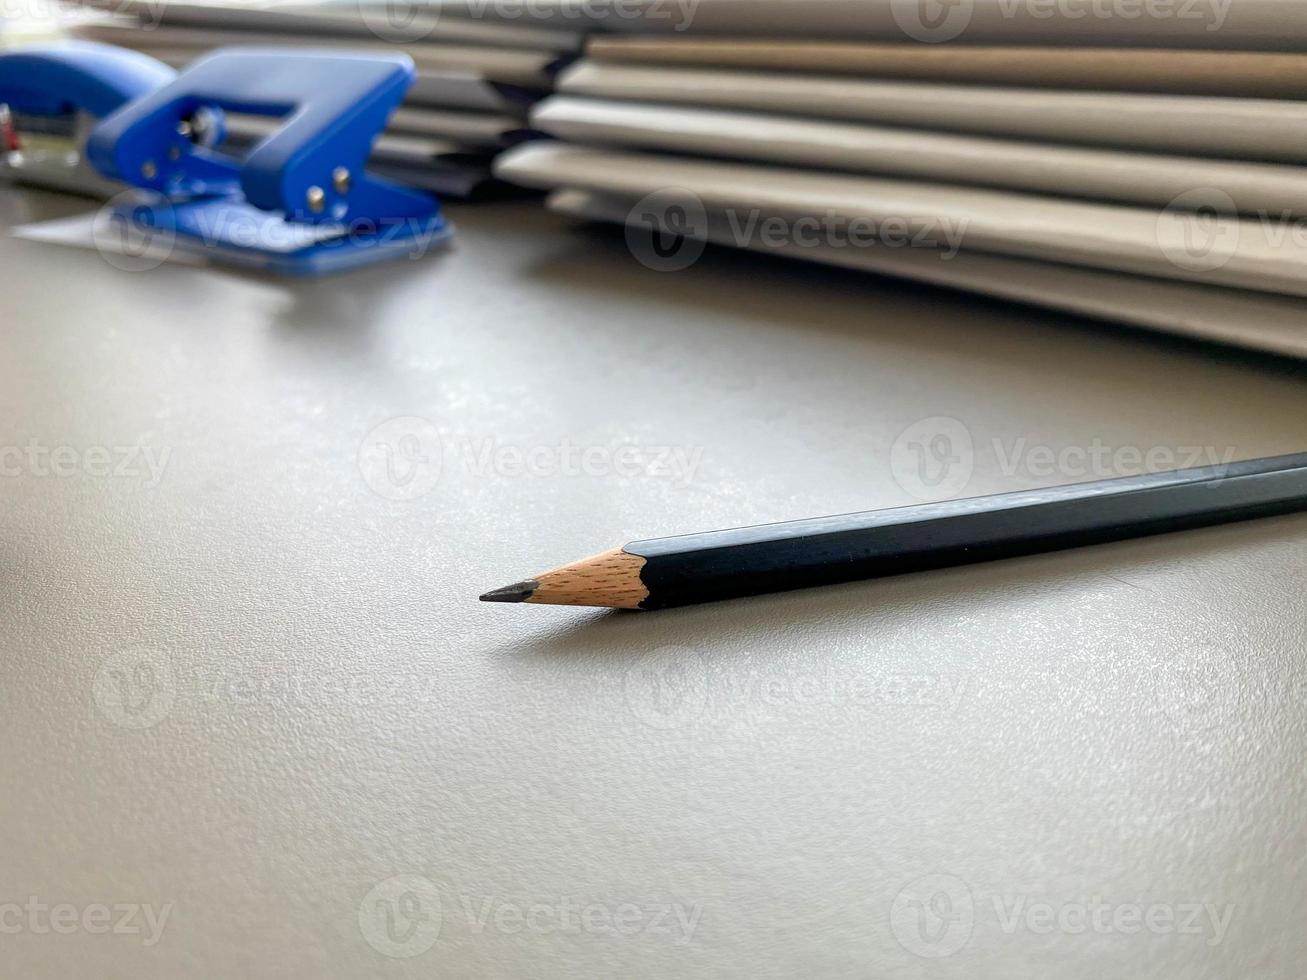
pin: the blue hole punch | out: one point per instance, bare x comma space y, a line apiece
62, 90
301, 202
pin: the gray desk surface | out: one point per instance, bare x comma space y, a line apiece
254, 690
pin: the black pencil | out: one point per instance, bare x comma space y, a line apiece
695, 568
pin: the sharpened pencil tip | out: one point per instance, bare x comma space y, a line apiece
520, 592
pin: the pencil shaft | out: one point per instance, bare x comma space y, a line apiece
778, 557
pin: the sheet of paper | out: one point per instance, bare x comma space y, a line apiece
1255, 129
123, 247
1169, 244
1271, 75
1041, 168
1257, 320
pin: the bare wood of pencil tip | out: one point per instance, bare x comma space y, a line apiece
610, 580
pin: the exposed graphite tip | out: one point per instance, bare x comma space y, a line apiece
520, 592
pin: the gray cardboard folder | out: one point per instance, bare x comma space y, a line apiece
1094, 173
1253, 129
1273, 25
1202, 275
1255, 320
1254, 74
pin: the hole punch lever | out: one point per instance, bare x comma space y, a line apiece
301, 202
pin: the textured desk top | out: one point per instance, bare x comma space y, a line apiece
250, 705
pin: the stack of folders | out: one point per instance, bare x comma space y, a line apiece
475, 86
1145, 169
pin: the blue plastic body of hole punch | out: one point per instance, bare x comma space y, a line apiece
72, 84
77, 76
301, 202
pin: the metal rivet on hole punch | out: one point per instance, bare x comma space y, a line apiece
340, 180
148, 170
316, 199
